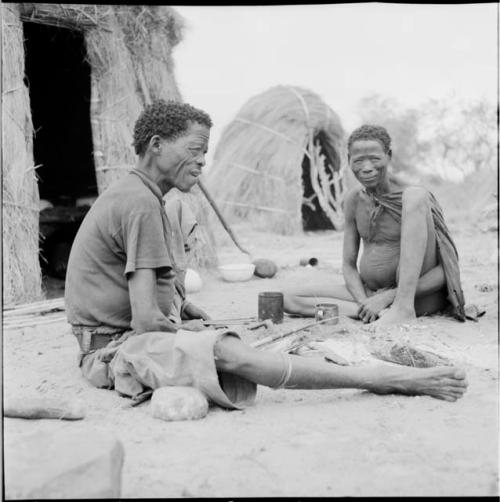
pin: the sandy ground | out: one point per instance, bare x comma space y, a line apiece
292, 442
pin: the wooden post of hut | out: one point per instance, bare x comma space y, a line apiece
128, 49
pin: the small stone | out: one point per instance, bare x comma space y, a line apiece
64, 465
178, 403
265, 268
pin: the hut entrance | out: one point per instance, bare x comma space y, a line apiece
313, 215
58, 77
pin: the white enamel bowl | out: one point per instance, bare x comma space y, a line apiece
237, 271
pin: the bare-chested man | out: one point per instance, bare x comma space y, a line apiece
409, 264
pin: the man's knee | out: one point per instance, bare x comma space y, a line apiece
231, 354
416, 199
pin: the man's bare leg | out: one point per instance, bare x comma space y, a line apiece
418, 255
266, 368
302, 300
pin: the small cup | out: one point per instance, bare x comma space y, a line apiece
270, 306
325, 311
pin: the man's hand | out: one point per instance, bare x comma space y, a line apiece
370, 308
191, 311
193, 325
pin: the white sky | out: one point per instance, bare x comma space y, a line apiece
341, 51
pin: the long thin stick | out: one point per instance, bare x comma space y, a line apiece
243, 320
34, 305
31, 313
258, 208
28, 324
221, 218
279, 336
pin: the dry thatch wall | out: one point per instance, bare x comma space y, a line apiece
257, 169
21, 268
130, 57
129, 51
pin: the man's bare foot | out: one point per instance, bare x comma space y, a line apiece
441, 382
395, 315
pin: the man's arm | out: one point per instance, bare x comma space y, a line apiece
146, 314
351, 249
188, 311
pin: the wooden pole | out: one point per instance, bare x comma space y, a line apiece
221, 218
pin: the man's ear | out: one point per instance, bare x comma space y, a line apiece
389, 153
155, 144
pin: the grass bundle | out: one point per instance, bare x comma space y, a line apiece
257, 169
130, 56
20, 200
115, 103
71, 16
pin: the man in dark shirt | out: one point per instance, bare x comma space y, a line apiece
120, 287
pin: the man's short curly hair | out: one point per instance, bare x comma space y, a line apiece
368, 131
167, 119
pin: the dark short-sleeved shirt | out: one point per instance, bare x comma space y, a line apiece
126, 229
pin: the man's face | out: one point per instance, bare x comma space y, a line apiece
369, 162
182, 159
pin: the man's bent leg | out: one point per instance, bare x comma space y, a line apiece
302, 300
267, 368
433, 302
418, 255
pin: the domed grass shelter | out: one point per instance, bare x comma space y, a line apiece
75, 79
280, 163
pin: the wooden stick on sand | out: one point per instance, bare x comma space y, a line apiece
279, 336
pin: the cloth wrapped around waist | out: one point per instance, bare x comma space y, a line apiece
447, 251
132, 363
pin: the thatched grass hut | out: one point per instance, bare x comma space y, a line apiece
128, 52
280, 163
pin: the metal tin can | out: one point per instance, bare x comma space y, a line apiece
326, 310
271, 306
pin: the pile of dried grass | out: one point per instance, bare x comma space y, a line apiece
149, 34
257, 170
21, 267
